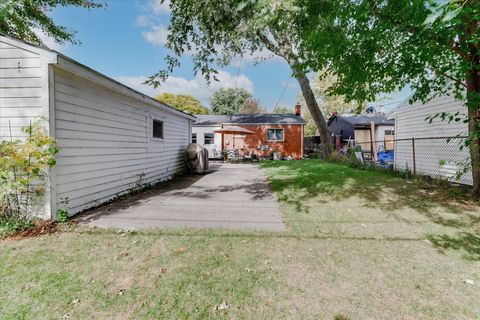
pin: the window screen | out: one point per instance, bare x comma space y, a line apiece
157, 129
275, 135
209, 138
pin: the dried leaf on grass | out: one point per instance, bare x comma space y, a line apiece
181, 250
40, 228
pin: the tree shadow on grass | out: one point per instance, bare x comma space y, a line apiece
466, 241
301, 183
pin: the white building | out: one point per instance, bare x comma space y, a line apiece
203, 132
435, 154
111, 137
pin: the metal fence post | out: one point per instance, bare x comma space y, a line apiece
413, 154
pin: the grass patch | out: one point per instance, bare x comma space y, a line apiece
355, 249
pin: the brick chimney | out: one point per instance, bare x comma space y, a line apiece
298, 109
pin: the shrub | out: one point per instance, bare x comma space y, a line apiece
24, 165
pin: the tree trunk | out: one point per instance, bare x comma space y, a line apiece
473, 98
317, 115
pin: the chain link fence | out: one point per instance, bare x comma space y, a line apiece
444, 158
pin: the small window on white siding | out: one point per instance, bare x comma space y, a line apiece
209, 138
157, 129
275, 135
389, 132
194, 138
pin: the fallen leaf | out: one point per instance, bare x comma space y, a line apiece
123, 254
181, 250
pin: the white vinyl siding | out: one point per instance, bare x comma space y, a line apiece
106, 142
104, 130
23, 89
429, 154
24, 98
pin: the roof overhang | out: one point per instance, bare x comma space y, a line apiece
84, 71
75, 67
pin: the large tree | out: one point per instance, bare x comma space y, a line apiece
376, 46
218, 31
229, 101
24, 19
251, 106
183, 102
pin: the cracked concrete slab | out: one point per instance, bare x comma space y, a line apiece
230, 196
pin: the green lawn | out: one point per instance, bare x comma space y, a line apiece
360, 244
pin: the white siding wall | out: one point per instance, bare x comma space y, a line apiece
24, 98
23, 88
437, 158
105, 142
200, 131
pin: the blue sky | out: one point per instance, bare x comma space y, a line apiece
125, 41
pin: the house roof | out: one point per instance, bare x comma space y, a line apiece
263, 118
357, 120
63, 61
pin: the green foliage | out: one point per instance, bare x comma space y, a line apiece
62, 213
21, 18
384, 46
328, 102
24, 165
183, 102
466, 241
13, 224
376, 47
229, 101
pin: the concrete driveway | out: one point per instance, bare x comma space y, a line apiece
231, 196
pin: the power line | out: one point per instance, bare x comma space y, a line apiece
238, 71
281, 95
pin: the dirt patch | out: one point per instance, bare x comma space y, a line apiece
39, 229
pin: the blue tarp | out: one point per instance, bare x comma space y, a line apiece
384, 157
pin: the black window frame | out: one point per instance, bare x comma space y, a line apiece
194, 137
390, 132
155, 134
211, 136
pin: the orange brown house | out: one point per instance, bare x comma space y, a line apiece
281, 133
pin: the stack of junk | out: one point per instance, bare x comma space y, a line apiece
196, 158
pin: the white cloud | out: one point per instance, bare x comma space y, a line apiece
160, 7
142, 21
156, 36
196, 87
